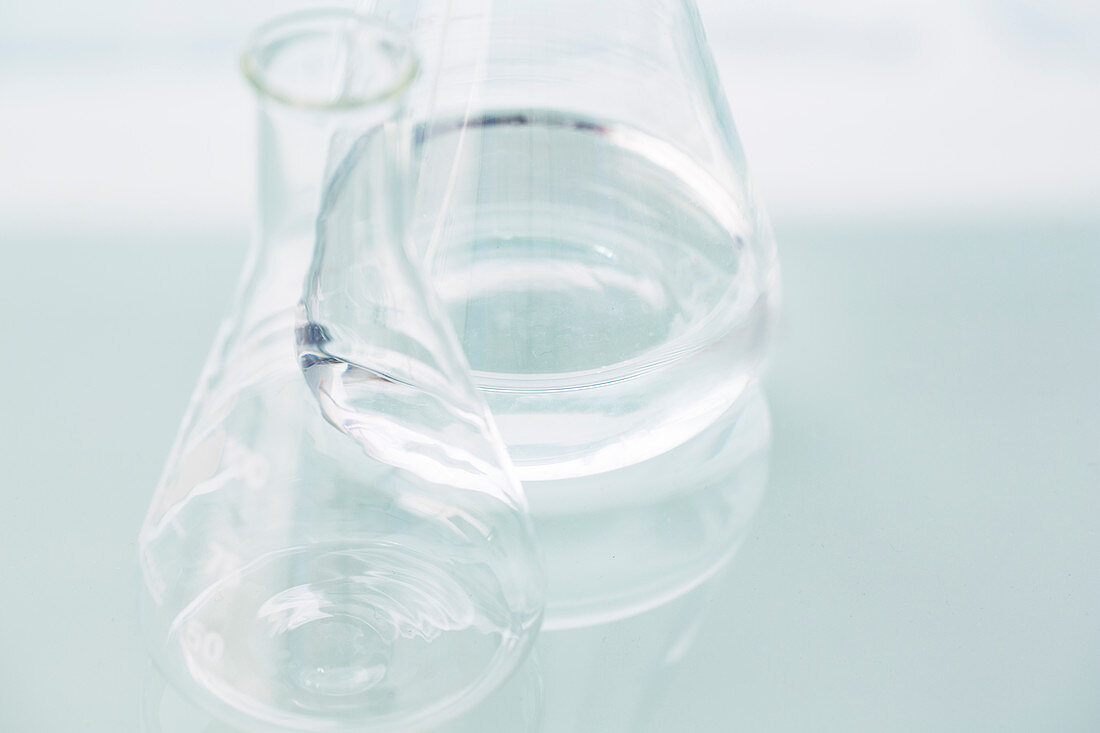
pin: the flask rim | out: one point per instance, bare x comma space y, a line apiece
268, 40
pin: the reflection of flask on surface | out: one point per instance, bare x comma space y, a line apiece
584, 210
624, 541
366, 564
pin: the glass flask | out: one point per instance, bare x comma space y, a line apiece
331, 548
584, 212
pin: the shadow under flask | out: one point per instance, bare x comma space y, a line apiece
338, 541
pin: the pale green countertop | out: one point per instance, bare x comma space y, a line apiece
926, 556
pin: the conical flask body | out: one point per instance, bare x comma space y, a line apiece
584, 211
305, 568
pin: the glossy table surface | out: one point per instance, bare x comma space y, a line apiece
924, 558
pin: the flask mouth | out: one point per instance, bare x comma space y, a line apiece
329, 60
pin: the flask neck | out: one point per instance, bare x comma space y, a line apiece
292, 155
322, 79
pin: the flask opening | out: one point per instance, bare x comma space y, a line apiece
329, 60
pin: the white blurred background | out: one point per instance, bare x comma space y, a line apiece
125, 113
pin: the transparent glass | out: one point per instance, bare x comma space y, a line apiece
328, 548
635, 584
585, 214
630, 582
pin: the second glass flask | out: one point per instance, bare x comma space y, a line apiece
584, 210
330, 547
